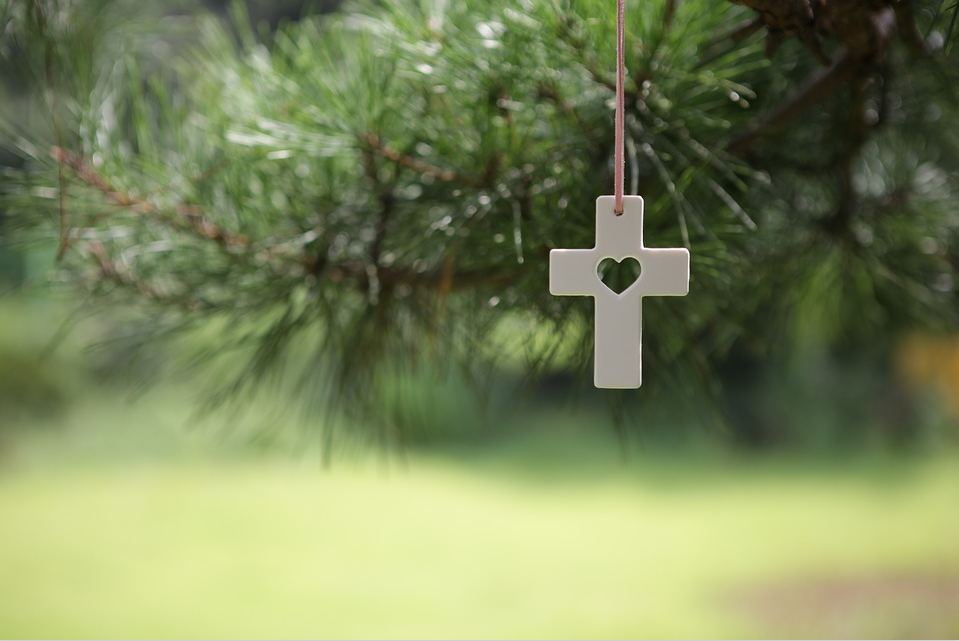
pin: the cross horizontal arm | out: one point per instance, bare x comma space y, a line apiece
572, 272
665, 272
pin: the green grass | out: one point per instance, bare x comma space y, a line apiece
133, 521
164, 534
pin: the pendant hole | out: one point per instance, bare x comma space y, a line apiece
618, 276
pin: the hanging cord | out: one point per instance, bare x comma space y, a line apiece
619, 159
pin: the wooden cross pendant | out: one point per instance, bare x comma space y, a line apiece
619, 322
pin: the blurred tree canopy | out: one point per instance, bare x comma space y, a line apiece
358, 197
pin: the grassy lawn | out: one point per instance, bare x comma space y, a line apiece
139, 528
120, 520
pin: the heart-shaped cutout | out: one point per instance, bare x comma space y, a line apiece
618, 276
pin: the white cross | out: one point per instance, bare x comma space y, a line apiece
619, 322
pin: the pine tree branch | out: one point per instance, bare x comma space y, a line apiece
852, 64
821, 85
110, 272
288, 237
355, 271
409, 162
908, 30
746, 29
48, 70
588, 61
188, 215
440, 280
857, 135
82, 169
788, 17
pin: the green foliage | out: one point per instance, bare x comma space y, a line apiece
360, 198
27, 388
33, 384
539, 539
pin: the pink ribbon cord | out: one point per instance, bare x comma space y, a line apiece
619, 158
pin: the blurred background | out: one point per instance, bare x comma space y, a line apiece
814, 497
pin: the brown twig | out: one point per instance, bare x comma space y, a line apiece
669, 13
857, 134
746, 29
193, 215
409, 162
190, 216
820, 85
110, 272
789, 17
908, 30
867, 37
483, 277
88, 175
187, 214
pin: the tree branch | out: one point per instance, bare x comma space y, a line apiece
188, 215
110, 272
409, 162
862, 54
821, 85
